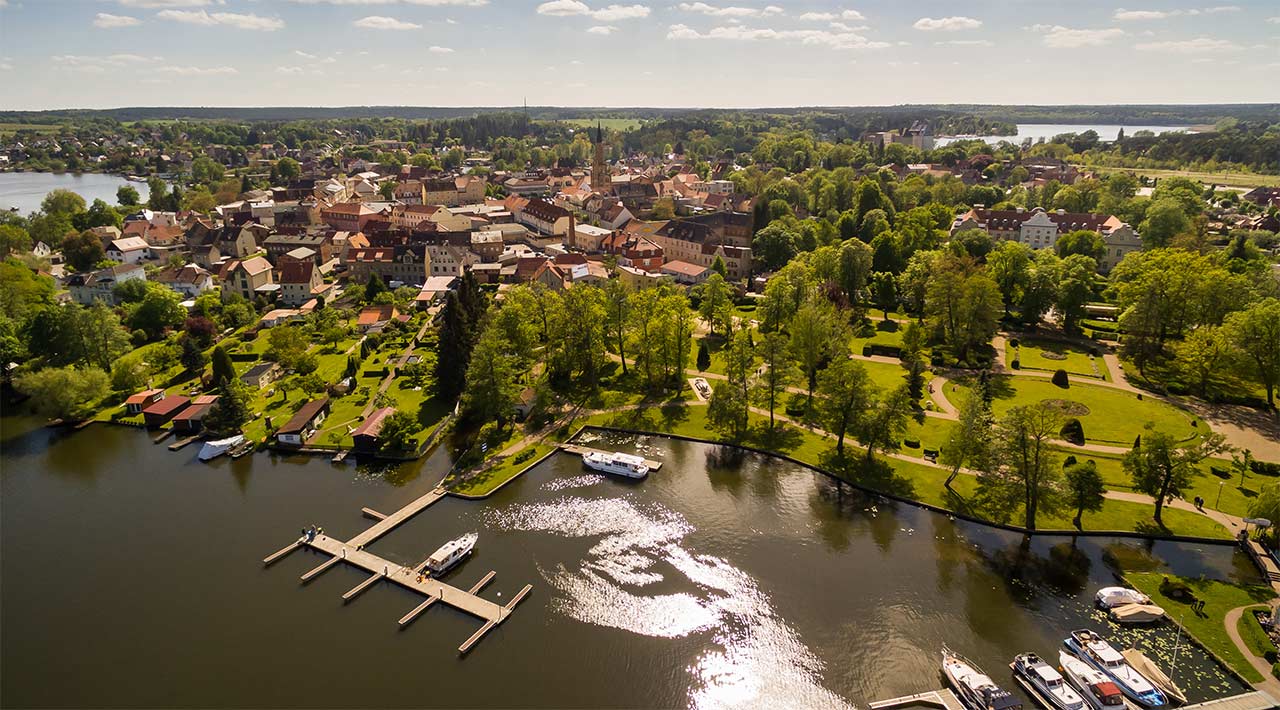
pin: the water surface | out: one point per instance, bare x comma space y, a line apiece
26, 190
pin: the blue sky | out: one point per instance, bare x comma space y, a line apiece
728, 53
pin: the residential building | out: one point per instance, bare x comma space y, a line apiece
189, 280
451, 192
261, 375
546, 218
127, 250
300, 282
304, 423
1036, 228
347, 216
365, 436
588, 238
191, 420
375, 318
100, 285
248, 277
702, 239
1121, 241
685, 273
405, 263
634, 251
139, 401
159, 413
277, 245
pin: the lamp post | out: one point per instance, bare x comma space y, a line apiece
1219, 499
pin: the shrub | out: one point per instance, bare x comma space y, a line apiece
1060, 378
1070, 460
1073, 431
1093, 351
1016, 364
1175, 589
866, 350
523, 456
1275, 669
1015, 343
911, 443
1265, 468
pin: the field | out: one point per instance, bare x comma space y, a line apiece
1220, 179
8, 129
1110, 416
613, 124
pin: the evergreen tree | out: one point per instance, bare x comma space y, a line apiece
373, 287
704, 356
453, 349
223, 369
192, 356
231, 411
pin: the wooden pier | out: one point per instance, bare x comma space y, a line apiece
183, 442
1257, 700
584, 450
944, 699
353, 553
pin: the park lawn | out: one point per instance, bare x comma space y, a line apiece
1234, 499
1207, 626
890, 338
1115, 417
1254, 636
1031, 356
485, 482
716, 348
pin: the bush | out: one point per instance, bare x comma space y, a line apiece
1060, 379
1014, 342
1093, 351
1177, 590
1016, 364
1069, 461
523, 456
866, 351
1073, 431
911, 443
1265, 468
1275, 669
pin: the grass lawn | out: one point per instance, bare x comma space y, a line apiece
1220, 179
716, 348
1051, 355
1252, 633
891, 337
1235, 499
1207, 626
1110, 416
486, 482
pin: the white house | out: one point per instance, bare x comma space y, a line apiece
128, 250
190, 280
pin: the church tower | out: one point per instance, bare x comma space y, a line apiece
600, 181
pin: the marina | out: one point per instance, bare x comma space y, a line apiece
411, 578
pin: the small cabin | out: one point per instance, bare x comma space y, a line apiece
159, 413
304, 423
365, 437
139, 401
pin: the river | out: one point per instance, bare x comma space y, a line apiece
132, 576
26, 190
1045, 131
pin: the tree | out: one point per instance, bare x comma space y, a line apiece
99, 214
740, 363
398, 431
453, 349
718, 266
885, 289
50, 228
192, 358
129, 374
704, 356
618, 313
844, 395
127, 196
1075, 289
63, 202
83, 251
492, 380
1256, 332
817, 335
1084, 490
224, 370
885, 420
1010, 266
65, 393
1166, 219
715, 302
774, 246
969, 440
1204, 357
726, 410
205, 170
288, 169
1267, 505
157, 194
1162, 467
286, 345
1025, 466
1081, 241
231, 411
373, 286
777, 374
13, 240
158, 311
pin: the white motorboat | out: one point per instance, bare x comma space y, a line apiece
1094, 650
976, 689
1112, 597
1158, 677
213, 449
1097, 690
451, 553
1045, 683
619, 464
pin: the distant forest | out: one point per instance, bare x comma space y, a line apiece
980, 118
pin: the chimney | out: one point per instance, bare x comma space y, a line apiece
1061, 212
1021, 210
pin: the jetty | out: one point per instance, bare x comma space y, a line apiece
434, 591
944, 699
1257, 700
581, 450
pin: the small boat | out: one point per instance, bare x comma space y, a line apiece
1094, 650
1112, 597
451, 553
213, 449
1097, 690
976, 689
1148, 668
1045, 683
627, 465
1136, 614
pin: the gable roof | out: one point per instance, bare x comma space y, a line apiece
373, 423
303, 416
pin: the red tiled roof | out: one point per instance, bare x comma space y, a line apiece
373, 424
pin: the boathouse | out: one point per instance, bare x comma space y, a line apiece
365, 437
161, 412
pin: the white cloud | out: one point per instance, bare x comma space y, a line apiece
248, 21
1199, 45
966, 43
1274, 20
107, 21
730, 10
1137, 15
602, 30
440, 50
305, 55
834, 40
199, 71
828, 16
1060, 37
947, 24
98, 65
6, 66
289, 70
426, 3
610, 13
160, 4
381, 22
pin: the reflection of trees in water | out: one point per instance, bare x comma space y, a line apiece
836, 506
950, 550
1133, 556
724, 468
1063, 572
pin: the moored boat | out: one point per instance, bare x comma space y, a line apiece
1097, 690
451, 553
1094, 650
213, 449
619, 464
976, 689
1152, 672
1112, 597
1045, 683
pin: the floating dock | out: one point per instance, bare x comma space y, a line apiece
1257, 700
584, 450
944, 699
411, 578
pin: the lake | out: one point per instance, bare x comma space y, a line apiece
1037, 131
26, 190
132, 576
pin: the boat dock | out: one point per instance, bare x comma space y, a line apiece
944, 699
353, 553
580, 450
1257, 700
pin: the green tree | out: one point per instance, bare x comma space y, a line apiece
127, 196
845, 394
1256, 332
286, 345
157, 194
1025, 468
63, 202
704, 356
715, 302
158, 311
50, 228
778, 371
1204, 358
66, 393
969, 439
13, 240
726, 410
885, 420
618, 314
453, 349
224, 370
192, 358
1075, 289
1166, 219
493, 384
231, 411
1084, 490
398, 432
884, 287
817, 335
1010, 266
1081, 241
83, 251
1162, 467
129, 374
774, 246
288, 169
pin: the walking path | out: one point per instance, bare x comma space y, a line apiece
1270, 684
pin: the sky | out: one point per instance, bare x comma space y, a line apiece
723, 53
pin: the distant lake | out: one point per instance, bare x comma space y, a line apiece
26, 190
1036, 131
